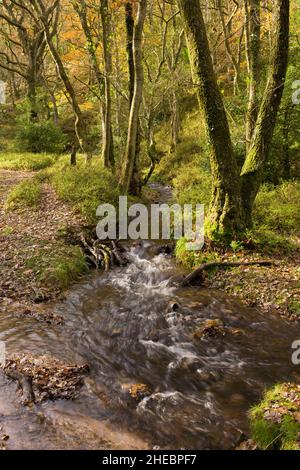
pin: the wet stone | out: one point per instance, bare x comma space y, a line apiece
139, 391
211, 329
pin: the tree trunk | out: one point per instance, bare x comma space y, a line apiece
132, 147
235, 64
32, 90
107, 136
263, 133
285, 162
253, 49
225, 216
135, 183
79, 123
175, 122
73, 158
129, 47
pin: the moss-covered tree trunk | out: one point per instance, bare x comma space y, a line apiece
226, 217
260, 145
107, 146
234, 193
133, 127
135, 183
253, 53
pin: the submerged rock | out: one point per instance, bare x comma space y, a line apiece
139, 391
211, 329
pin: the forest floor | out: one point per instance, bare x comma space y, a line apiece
29, 245
274, 288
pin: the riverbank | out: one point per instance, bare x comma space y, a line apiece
36, 264
272, 289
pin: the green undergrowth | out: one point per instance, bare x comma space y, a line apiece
25, 161
275, 423
84, 187
187, 168
277, 207
57, 265
190, 258
23, 195
276, 222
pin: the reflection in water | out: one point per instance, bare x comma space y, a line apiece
123, 324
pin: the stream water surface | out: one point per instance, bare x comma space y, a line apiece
123, 324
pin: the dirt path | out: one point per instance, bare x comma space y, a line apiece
24, 235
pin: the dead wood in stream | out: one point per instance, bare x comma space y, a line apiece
44, 377
100, 254
103, 255
198, 274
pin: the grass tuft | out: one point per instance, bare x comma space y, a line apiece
274, 422
25, 194
58, 265
85, 188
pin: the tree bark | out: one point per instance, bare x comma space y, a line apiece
225, 216
129, 47
253, 52
107, 135
234, 194
259, 150
132, 146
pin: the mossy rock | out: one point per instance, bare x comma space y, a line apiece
211, 329
139, 391
275, 422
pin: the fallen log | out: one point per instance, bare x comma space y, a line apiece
198, 274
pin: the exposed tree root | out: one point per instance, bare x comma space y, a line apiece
102, 255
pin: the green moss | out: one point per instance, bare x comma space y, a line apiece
294, 307
274, 422
192, 185
58, 265
25, 194
6, 231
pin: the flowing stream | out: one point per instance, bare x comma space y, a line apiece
124, 325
